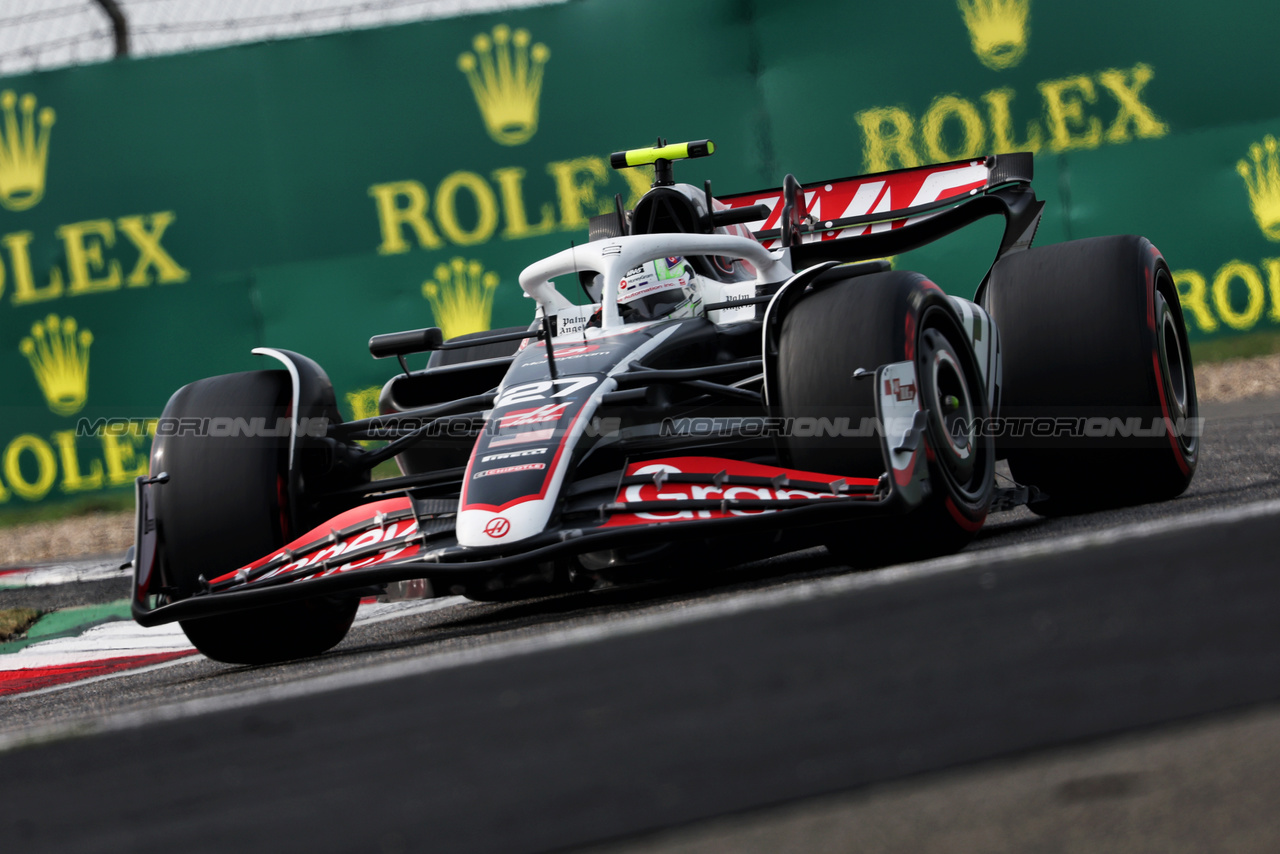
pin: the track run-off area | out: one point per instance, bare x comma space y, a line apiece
1093, 683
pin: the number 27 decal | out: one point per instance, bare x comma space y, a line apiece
526, 392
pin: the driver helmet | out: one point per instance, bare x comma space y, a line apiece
661, 288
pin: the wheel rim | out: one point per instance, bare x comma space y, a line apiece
950, 406
1175, 368
955, 404
1179, 382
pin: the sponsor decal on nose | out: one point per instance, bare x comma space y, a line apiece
529, 452
538, 415
509, 470
527, 436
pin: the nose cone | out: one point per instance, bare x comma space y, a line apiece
478, 528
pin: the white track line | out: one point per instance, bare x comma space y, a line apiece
73, 572
135, 640
96, 644
380, 612
736, 603
89, 680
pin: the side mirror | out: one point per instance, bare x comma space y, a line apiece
404, 343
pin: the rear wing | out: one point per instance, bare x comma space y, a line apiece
870, 216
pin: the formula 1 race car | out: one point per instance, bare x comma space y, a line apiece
733, 377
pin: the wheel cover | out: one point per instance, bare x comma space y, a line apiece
952, 396
949, 405
1175, 366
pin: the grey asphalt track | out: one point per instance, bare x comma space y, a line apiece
614, 718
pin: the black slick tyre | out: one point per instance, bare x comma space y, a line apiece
1097, 368
865, 322
225, 505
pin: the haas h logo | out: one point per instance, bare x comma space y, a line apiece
497, 527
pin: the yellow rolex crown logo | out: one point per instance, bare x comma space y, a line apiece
59, 356
505, 74
997, 30
1261, 174
24, 149
461, 296
364, 402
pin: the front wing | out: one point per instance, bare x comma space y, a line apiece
400, 538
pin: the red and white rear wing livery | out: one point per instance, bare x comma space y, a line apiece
870, 204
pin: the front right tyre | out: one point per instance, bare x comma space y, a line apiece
225, 505
865, 322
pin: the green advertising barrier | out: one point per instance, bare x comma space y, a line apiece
161, 217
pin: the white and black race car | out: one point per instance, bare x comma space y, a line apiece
731, 378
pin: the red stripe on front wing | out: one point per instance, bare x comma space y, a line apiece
710, 466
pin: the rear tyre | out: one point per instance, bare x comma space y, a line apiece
225, 505
1092, 333
867, 322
